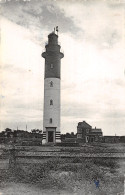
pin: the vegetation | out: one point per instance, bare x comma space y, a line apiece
68, 135
73, 175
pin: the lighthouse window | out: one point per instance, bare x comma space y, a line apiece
50, 120
51, 84
51, 65
51, 102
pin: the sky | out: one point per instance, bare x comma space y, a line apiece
92, 35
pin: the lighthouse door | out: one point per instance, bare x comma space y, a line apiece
50, 136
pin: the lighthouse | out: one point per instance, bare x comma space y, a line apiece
52, 89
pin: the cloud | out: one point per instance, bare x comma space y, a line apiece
102, 24
82, 19
100, 99
38, 17
115, 114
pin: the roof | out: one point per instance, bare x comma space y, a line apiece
84, 124
96, 130
52, 34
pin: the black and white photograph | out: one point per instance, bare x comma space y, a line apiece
62, 97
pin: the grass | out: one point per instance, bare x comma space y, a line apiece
73, 175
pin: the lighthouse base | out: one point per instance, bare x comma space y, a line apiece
51, 136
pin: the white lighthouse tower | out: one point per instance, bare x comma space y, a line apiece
51, 114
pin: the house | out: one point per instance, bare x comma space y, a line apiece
86, 134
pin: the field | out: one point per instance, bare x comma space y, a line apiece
57, 175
